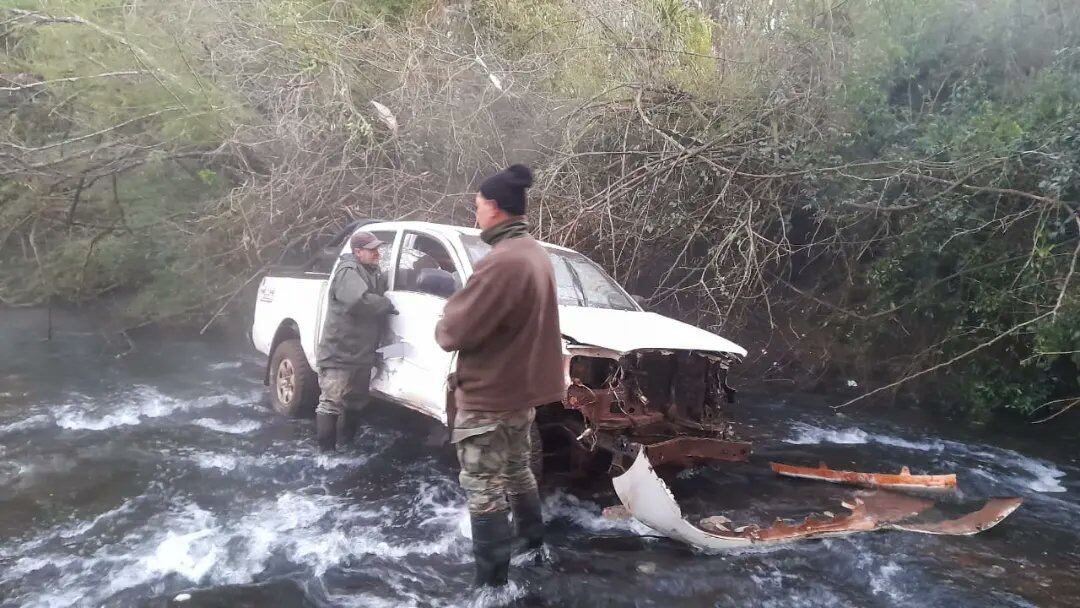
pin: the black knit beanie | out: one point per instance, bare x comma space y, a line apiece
507, 188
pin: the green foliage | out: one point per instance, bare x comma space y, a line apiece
992, 86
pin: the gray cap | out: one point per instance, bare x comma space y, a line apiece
364, 240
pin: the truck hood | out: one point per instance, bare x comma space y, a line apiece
628, 330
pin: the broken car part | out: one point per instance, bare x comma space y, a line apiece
903, 480
650, 501
689, 451
667, 400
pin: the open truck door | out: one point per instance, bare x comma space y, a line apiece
415, 368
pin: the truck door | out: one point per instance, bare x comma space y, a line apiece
425, 275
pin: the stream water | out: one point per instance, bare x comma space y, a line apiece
163, 478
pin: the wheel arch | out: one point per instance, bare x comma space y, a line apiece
288, 329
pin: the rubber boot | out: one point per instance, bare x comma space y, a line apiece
347, 424
326, 432
528, 519
492, 545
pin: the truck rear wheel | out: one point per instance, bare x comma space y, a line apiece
294, 387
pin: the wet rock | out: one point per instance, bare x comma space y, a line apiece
647, 568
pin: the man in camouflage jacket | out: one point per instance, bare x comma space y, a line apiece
355, 317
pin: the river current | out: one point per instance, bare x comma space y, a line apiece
156, 474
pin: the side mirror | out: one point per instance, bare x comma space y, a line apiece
639, 300
436, 282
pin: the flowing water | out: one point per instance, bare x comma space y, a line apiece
162, 478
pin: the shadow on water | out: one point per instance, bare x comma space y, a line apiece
163, 478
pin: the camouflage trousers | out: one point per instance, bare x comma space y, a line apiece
343, 388
494, 450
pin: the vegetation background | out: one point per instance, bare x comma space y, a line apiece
876, 190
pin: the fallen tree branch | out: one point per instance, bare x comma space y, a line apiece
1075, 402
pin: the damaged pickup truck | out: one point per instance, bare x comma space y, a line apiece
643, 390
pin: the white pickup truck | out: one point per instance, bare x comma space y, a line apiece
643, 390
631, 375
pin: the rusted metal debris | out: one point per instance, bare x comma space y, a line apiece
603, 408
650, 501
896, 481
689, 451
867, 513
985, 518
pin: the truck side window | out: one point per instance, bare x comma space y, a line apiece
425, 266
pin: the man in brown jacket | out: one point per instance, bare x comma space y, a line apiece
505, 326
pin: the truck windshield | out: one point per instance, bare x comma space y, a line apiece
579, 280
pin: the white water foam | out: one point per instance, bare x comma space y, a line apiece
933, 445
1046, 476
330, 462
495, 598
439, 506
219, 461
143, 402
31, 422
202, 547
506, 595
258, 464
883, 582
251, 398
806, 434
79, 530
74, 420
226, 365
234, 428
588, 515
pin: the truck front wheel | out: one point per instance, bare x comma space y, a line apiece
294, 387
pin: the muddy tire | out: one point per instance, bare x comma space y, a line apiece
536, 457
294, 387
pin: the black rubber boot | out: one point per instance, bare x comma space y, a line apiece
326, 432
492, 545
347, 424
528, 519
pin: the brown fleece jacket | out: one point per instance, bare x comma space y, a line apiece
505, 325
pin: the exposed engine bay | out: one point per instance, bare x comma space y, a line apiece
669, 402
